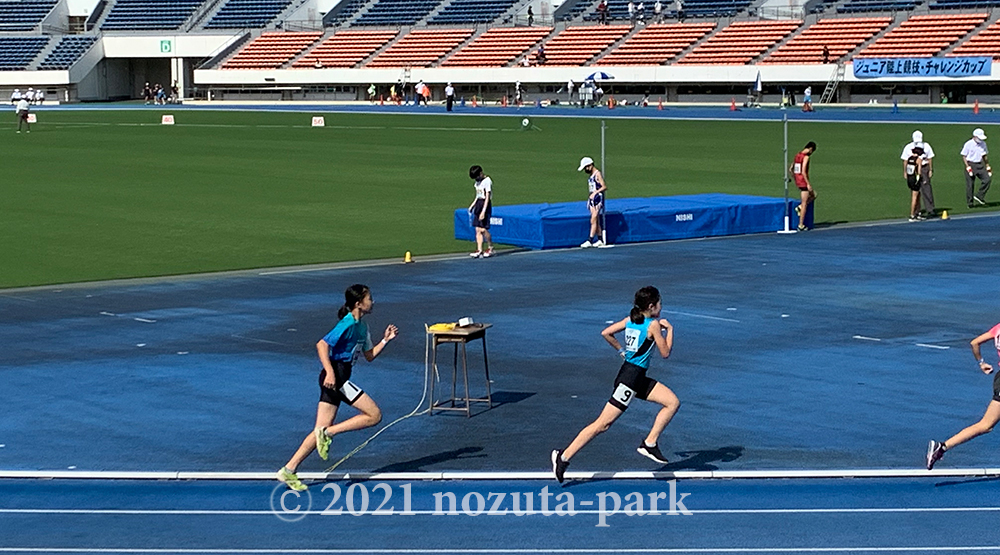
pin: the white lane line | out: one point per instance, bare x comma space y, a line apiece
929, 346
700, 316
108, 313
865, 338
255, 340
208, 551
144, 320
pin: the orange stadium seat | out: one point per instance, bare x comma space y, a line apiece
840, 36
345, 49
985, 43
497, 47
923, 35
574, 46
421, 48
271, 50
657, 44
741, 42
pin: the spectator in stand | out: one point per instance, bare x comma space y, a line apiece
318, 64
679, 7
826, 54
526, 62
602, 12
658, 11
540, 55
631, 12
23, 108
449, 96
15, 97
640, 13
531, 16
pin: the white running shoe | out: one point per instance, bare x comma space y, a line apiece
599, 243
586, 244
477, 254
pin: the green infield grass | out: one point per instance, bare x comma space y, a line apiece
93, 195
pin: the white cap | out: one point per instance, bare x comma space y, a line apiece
979, 134
918, 137
449, 83
584, 162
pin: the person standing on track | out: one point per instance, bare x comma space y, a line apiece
912, 172
595, 201
481, 211
643, 330
800, 171
337, 352
936, 450
974, 154
926, 171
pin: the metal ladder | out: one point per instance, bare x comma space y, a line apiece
832, 84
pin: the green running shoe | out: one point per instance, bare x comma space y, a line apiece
290, 479
322, 443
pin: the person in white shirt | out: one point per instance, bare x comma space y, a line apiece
15, 97
658, 11
640, 13
39, 96
30, 95
926, 170
449, 96
480, 212
975, 156
631, 12
22, 109
679, 8
569, 89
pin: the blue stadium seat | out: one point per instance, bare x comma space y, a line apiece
23, 16
16, 53
67, 52
863, 6
618, 9
964, 4
348, 11
397, 12
240, 14
149, 14
472, 11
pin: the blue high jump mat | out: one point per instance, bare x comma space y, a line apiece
634, 220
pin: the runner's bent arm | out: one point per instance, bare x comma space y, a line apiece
975, 351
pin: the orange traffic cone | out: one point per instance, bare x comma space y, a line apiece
504, 101
975, 107
381, 100
732, 105
611, 103
660, 105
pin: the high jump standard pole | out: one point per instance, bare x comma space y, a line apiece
788, 229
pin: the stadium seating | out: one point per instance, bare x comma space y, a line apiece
618, 9
348, 9
862, 6
741, 42
22, 16
271, 50
576, 45
421, 48
242, 14
397, 12
67, 52
576, 8
964, 4
16, 53
923, 35
465, 12
345, 49
135, 15
985, 43
841, 36
657, 44
498, 46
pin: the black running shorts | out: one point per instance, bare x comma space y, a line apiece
631, 383
344, 390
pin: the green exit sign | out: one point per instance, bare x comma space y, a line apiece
166, 46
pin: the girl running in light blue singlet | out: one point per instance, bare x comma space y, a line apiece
643, 330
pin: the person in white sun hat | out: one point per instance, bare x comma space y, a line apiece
595, 201
974, 155
926, 171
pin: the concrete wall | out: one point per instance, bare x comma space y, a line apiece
166, 46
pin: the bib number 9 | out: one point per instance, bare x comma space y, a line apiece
623, 394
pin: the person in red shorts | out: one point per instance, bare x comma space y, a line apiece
935, 449
800, 171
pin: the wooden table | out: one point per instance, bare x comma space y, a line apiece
459, 336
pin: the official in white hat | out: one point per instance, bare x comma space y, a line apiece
977, 165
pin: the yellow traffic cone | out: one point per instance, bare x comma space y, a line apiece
407, 258
944, 214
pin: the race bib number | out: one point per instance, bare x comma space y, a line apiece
632, 340
623, 394
910, 170
350, 391
797, 168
